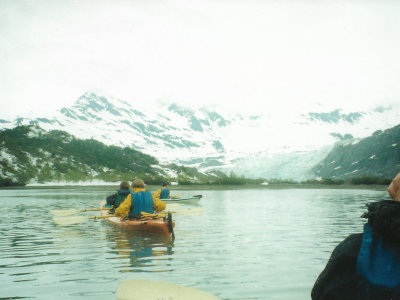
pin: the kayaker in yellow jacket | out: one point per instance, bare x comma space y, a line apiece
162, 193
139, 201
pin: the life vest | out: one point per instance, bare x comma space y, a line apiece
164, 193
121, 195
378, 268
141, 202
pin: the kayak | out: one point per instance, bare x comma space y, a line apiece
132, 289
155, 225
193, 199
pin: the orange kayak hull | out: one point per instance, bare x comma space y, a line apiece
148, 225
154, 226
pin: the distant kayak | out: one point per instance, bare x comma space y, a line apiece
147, 289
160, 226
193, 199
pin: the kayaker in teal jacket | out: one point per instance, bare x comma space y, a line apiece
116, 199
163, 193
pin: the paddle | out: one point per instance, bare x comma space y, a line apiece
71, 220
132, 289
187, 212
65, 220
172, 206
196, 211
68, 212
170, 226
158, 215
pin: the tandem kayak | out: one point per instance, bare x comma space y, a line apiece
193, 199
155, 225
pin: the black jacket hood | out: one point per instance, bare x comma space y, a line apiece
384, 218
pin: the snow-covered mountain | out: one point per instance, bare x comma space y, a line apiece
170, 133
377, 155
270, 145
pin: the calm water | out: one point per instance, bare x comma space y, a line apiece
248, 244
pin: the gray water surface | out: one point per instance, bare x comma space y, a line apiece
248, 244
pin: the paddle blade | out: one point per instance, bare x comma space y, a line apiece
196, 211
64, 212
147, 289
172, 206
65, 221
69, 212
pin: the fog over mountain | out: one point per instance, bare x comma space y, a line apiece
271, 144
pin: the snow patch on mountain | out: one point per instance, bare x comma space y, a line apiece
8, 158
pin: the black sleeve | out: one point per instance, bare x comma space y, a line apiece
339, 278
111, 199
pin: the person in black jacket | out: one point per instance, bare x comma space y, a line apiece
366, 265
116, 199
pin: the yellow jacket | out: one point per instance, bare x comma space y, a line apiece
157, 194
125, 207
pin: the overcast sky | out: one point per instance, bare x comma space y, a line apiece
237, 55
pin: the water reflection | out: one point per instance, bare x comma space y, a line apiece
143, 251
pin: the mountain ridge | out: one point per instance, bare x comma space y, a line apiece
377, 155
57, 156
263, 145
